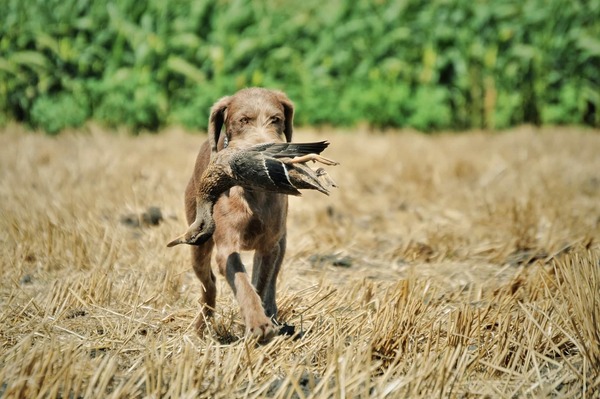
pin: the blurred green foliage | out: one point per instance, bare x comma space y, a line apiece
442, 64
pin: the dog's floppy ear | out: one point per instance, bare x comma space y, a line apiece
288, 112
215, 122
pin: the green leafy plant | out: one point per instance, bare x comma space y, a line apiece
58, 112
427, 65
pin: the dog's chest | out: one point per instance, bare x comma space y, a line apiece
256, 218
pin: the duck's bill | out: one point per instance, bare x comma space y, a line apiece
186, 239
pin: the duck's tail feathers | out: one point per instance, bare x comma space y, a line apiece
304, 177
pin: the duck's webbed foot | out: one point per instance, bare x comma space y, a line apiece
314, 158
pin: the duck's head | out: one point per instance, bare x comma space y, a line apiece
201, 230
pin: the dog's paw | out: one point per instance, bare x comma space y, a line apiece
203, 320
201, 326
261, 328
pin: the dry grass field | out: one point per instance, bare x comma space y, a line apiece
452, 265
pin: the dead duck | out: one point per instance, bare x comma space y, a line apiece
274, 167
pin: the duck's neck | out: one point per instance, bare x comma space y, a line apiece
214, 181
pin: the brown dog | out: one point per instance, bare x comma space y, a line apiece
245, 220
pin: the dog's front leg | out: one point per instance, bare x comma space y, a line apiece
201, 263
257, 323
264, 275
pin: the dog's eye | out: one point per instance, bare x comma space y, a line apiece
275, 120
244, 120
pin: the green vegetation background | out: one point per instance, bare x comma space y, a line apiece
440, 64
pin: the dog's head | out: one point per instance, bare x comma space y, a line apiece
250, 116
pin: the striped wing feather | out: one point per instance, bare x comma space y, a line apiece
278, 174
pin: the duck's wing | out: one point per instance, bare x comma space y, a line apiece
254, 170
289, 150
280, 167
